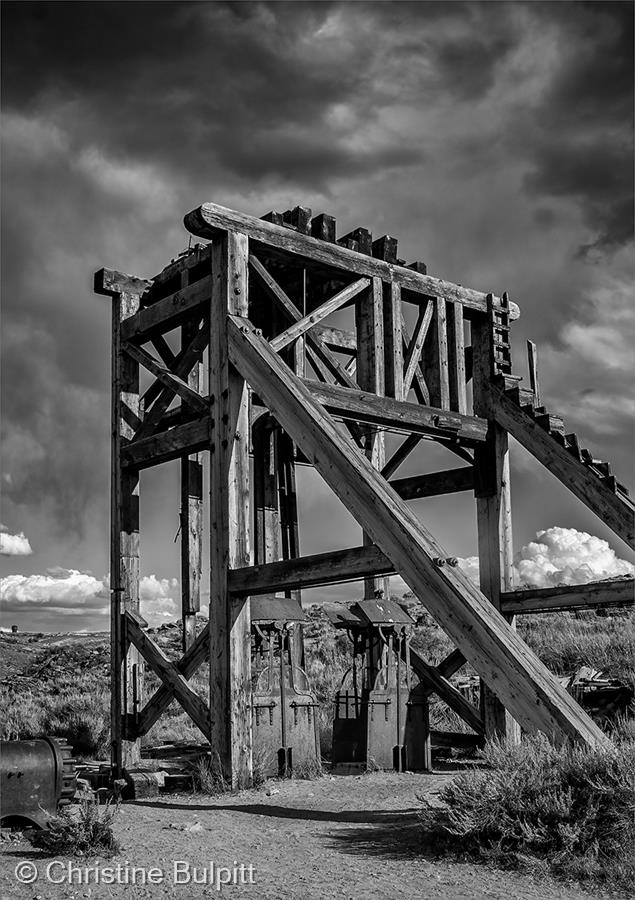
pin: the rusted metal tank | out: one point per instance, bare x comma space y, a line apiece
36, 778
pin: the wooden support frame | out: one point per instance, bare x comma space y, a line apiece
230, 623
494, 520
363, 377
126, 664
521, 681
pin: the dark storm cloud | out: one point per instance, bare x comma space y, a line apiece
129, 114
579, 136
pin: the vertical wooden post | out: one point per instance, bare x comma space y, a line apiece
369, 319
434, 358
393, 342
126, 662
494, 516
230, 642
532, 358
289, 523
456, 357
266, 508
191, 513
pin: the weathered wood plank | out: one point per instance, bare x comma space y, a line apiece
444, 689
362, 406
191, 437
310, 571
169, 674
166, 314
411, 362
315, 317
521, 681
126, 665
369, 324
393, 342
210, 220
402, 452
434, 483
173, 382
456, 358
615, 510
435, 357
594, 595
190, 662
230, 623
493, 518
191, 502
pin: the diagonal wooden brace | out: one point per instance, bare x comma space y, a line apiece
194, 706
521, 681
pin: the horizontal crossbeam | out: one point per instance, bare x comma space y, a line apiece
210, 220
595, 595
310, 571
182, 440
434, 483
362, 406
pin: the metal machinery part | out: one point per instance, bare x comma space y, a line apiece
36, 778
285, 726
381, 711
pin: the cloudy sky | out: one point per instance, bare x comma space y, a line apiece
494, 139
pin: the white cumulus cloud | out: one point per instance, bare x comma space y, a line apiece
560, 556
14, 544
74, 593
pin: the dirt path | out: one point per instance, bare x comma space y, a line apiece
356, 838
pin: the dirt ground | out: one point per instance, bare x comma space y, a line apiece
355, 837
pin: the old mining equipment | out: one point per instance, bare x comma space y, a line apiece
381, 711
36, 777
285, 727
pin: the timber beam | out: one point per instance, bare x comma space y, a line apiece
210, 220
182, 440
614, 510
169, 674
595, 595
526, 687
364, 406
310, 571
434, 483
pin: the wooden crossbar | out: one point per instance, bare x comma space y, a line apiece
413, 355
173, 383
196, 708
595, 595
210, 220
529, 691
364, 406
189, 663
315, 317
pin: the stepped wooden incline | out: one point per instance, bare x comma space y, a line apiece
258, 299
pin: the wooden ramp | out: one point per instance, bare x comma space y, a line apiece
512, 671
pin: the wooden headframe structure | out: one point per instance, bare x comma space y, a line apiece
284, 383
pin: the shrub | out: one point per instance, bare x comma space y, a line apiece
83, 831
572, 808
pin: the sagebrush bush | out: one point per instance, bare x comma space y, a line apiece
84, 830
571, 807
